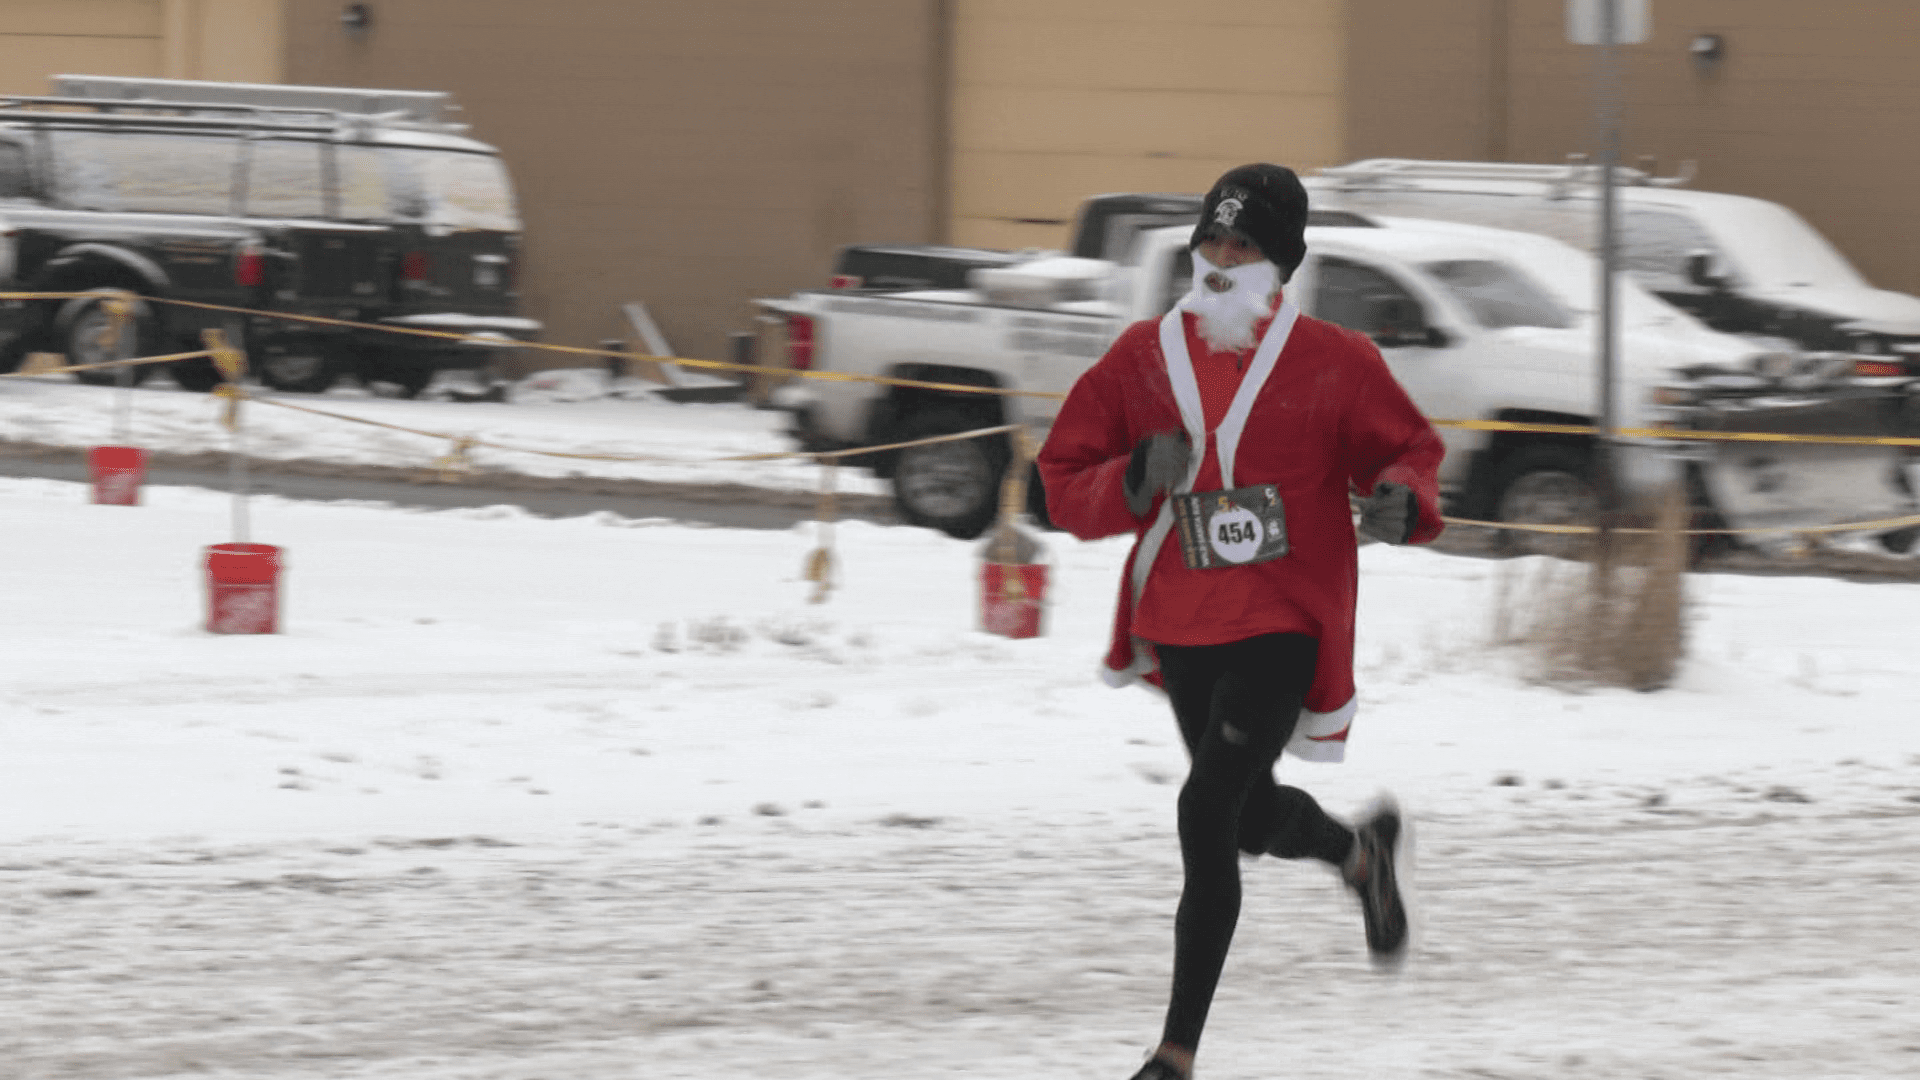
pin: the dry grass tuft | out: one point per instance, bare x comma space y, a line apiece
1616, 618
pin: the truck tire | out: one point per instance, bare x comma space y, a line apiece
1544, 484
952, 486
83, 341
196, 376
1037, 499
406, 377
307, 372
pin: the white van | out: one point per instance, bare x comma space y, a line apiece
1740, 265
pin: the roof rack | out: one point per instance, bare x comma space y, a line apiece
59, 110
427, 109
1577, 172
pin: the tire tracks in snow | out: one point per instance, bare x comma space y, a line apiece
1777, 948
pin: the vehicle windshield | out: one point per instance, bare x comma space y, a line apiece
446, 188
1572, 279
1497, 295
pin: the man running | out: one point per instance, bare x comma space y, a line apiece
1227, 436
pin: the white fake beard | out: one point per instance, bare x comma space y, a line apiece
1227, 315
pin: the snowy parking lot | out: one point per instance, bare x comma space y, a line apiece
517, 798
562, 412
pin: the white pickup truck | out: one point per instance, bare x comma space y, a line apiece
1477, 323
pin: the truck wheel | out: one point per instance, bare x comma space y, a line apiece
1037, 499
405, 379
951, 486
1544, 484
196, 376
299, 373
199, 375
85, 342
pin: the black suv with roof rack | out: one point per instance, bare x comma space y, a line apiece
351, 205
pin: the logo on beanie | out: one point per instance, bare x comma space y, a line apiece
1225, 214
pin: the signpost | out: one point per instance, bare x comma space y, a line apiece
1608, 24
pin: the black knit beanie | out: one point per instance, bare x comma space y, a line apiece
1263, 203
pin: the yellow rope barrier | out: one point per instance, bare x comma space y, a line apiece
1013, 499
578, 350
132, 361
886, 380
232, 365
474, 442
457, 460
1678, 433
820, 563
1576, 530
571, 350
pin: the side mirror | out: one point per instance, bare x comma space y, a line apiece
1703, 271
1399, 322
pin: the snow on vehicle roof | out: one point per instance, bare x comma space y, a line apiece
1571, 274
1410, 237
427, 140
1767, 244
1416, 239
1775, 247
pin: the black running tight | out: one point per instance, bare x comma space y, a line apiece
1237, 704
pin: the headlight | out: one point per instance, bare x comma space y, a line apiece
1775, 365
1803, 371
1818, 369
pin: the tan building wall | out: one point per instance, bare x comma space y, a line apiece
692, 155
231, 40
1814, 105
1055, 100
225, 40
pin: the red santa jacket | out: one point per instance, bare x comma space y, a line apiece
1329, 416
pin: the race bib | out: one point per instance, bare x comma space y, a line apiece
1236, 527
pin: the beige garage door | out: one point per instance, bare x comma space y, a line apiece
1055, 100
45, 37
230, 40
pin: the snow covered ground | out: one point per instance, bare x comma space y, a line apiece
599, 798
566, 411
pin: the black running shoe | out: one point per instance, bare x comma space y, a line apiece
1372, 875
1156, 1069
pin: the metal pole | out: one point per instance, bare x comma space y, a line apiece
240, 482
122, 347
1606, 489
123, 406
232, 365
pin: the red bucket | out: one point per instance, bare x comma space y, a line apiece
1013, 605
117, 472
243, 589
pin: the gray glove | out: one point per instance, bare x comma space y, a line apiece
1390, 513
1159, 463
